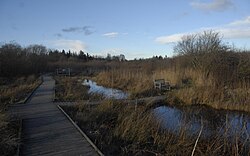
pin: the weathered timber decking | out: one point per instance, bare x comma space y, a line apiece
46, 131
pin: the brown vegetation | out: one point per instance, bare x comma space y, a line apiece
9, 135
118, 129
12, 91
136, 82
70, 89
135, 77
204, 71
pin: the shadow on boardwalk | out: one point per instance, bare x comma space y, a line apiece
46, 131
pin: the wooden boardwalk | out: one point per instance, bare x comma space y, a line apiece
46, 131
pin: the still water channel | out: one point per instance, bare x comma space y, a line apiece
106, 92
212, 122
190, 118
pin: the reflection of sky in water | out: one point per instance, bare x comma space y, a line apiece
170, 118
240, 124
214, 121
173, 119
107, 92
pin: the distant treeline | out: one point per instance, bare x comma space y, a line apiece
16, 60
34, 59
200, 59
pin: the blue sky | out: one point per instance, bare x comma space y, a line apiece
136, 28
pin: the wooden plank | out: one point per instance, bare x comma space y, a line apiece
46, 131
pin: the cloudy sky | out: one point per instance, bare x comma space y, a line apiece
136, 28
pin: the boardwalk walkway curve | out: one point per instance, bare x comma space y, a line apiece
46, 131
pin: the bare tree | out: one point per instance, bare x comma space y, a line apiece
206, 42
37, 49
186, 45
205, 52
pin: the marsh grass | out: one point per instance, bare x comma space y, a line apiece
13, 90
9, 139
231, 99
70, 89
127, 80
189, 85
16, 89
119, 129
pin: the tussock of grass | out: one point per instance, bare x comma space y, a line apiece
70, 89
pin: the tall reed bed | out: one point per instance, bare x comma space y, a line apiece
136, 82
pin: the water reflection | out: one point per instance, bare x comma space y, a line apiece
106, 92
215, 122
190, 118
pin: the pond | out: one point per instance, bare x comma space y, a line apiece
212, 122
106, 92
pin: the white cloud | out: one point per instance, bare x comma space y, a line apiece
169, 39
111, 34
215, 5
73, 45
231, 33
243, 22
235, 30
